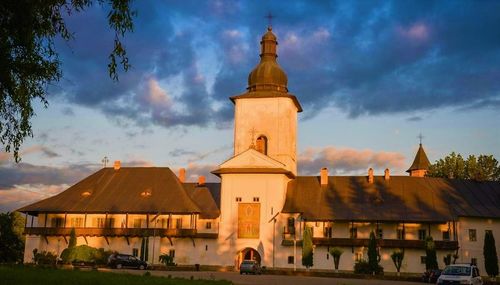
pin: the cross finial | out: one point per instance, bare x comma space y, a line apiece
420, 137
252, 134
269, 17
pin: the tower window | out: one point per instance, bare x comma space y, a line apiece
238, 199
256, 199
261, 144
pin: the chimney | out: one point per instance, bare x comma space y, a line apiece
370, 175
182, 175
387, 174
324, 176
201, 180
117, 165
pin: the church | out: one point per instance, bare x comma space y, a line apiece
261, 206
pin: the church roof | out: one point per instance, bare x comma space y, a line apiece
268, 74
421, 162
126, 190
401, 198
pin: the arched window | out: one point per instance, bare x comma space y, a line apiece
261, 144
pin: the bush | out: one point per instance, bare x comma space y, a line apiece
397, 257
44, 257
167, 259
363, 267
85, 253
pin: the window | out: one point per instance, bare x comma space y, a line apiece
488, 232
327, 256
178, 223
171, 253
358, 256
208, 225
261, 144
99, 222
135, 252
256, 199
446, 235
473, 261
290, 225
206, 247
57, 222
110, 223
422, 260
353, 232
137, 223
472, 235
401, 234
291, 259
76, 222
380, 233
422, 234
327, 232
238, 199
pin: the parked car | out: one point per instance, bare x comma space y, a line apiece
118, 261
431, 276
460, 274
250, 266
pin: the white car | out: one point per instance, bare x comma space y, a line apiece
460, 274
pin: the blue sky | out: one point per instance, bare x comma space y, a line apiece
370, 75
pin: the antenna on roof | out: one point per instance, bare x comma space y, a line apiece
105, 161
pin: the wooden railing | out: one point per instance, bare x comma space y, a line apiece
127, 232
387, 243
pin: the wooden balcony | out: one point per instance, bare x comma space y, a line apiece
384, 243
119, 232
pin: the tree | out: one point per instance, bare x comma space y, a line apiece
72, 238
397, 257
29, 61
430, 254
373, 256
11, 238
490, 254
307, 248
482, 168
336, 253
452, 166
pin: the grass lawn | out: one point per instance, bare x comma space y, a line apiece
20, 275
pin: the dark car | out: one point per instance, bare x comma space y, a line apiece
250, 266
431, 276
118, 261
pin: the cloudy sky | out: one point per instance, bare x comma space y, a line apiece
370, 75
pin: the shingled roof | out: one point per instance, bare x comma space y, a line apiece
126, 190
401, 198
207, 197
421, 162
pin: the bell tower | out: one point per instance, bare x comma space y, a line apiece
266, 115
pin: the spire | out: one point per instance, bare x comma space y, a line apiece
420, 164
268, 75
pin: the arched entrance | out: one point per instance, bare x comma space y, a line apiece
246, 254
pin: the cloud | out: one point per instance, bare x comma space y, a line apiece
21, 195
348, 161
40, 149
25, 173
414, 119
363, 57
194, 170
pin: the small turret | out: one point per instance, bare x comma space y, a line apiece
420, 164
